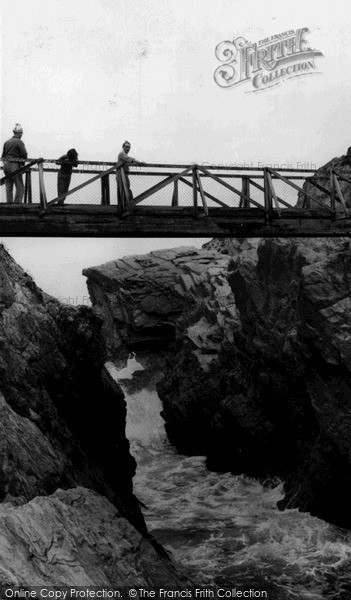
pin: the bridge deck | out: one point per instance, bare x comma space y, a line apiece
171, 221
178, 200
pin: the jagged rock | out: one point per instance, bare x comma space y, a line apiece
141, 299
320, 197
77, 538
54, 387
279, 398
258, 363
62, 425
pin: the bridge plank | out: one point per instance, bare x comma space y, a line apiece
151, 221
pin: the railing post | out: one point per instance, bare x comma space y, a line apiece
28, 187
201, 190
119, 192
338, 190
332, 191
245, 188
267, 192
42, 193
105, 189
175, 197
195, 191
273, 194
102, 200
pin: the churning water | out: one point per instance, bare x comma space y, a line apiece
226, 529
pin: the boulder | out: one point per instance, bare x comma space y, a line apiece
77, 538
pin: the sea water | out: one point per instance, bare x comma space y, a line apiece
226, 530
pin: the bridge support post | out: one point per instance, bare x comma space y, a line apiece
195, 191
267, 193
245, 188
42, 192
105, 190
28, 187
175, 197
332, 192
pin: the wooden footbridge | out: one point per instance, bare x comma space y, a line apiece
178, 201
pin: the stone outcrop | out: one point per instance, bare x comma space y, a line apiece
277, 400
258, 357
77, 538
319, 185
62, 425
142, 298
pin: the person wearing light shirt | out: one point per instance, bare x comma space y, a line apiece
126, 161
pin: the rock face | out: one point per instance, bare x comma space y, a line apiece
82, 541
258, 359
62, 425
142, 298
319, 185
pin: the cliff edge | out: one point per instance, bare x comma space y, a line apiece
67, 514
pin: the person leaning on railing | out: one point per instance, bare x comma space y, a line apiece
127, 161
66, 162
13, 156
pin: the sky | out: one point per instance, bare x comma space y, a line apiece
56, 264
92, 73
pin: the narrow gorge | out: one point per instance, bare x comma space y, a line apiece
256, 340
191, 428
253, 353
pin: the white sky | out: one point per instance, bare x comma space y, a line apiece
56, 263
91, 73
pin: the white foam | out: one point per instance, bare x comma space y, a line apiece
218, 524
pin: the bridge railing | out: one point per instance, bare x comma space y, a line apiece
26, 170
200, 187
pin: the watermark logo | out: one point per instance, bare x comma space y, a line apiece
265, 63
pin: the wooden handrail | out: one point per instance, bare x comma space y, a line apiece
23, 169
175, 166
192, 176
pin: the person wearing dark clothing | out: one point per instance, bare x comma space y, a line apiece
14, 155
66, 162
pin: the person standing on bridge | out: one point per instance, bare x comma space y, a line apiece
14, 155
67, 162
122, 173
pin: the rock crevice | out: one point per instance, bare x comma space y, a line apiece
257, 372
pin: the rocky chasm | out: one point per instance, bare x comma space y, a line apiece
68, 515
257, 342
